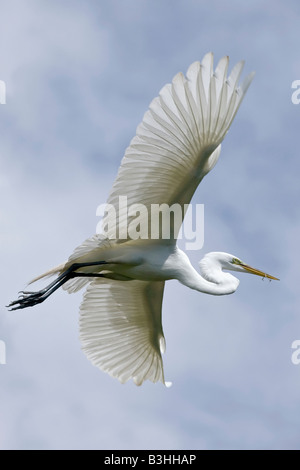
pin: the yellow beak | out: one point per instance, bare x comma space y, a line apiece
258, 272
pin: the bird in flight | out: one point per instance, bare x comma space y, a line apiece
177, 143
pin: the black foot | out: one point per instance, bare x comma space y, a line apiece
29, 299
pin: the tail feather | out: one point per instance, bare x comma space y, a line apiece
57, 270
84, 252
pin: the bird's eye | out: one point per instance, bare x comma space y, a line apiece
236, 261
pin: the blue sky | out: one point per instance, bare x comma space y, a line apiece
79, 77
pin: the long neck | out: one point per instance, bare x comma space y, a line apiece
214, 281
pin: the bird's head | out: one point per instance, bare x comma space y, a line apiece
228, 262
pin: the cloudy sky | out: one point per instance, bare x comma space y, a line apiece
79, 77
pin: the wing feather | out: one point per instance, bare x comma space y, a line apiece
121, 330
178, 141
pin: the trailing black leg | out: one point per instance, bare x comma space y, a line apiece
29, 299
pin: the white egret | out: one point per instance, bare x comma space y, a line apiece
176, 145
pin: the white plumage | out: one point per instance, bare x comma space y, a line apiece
178, 141
121, 330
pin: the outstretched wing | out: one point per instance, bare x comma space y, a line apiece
121, 330
177, 143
